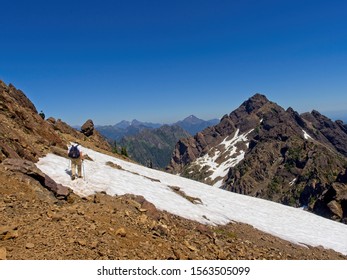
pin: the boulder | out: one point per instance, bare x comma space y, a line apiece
25, 167
121, 232
340, 190
8, 232
88, 128
58, 189
335, 208
150, 208
29, 245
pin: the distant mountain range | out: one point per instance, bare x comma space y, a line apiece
152, 144
116, 132
153, 147
124, 128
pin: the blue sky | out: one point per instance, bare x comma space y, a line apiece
161, 61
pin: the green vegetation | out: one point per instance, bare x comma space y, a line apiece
274, 187
193, 172
115, 148
225, 233
124, 152
153, 147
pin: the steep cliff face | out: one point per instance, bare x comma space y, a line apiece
263, 150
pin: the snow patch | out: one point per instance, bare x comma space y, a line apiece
227, 153
217, 206
306, 135
291, 183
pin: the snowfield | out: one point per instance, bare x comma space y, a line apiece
217, 206
228, 150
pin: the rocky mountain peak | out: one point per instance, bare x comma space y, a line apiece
135, 122
255, 102
123, 124
262, 150
192, 119
253, 110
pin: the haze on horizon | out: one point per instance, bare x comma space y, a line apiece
160, 61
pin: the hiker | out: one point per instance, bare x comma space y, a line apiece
75, 154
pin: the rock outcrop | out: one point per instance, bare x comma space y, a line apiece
28, 169
88, 128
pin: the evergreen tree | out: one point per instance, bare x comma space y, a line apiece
124, 151
114, 147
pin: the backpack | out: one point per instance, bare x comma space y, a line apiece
74, 152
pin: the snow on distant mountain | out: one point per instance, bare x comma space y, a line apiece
209, 206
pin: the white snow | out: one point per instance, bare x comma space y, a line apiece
306, 135
217, 207
291, 183
230, 153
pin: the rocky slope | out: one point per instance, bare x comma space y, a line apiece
262, 150
43, 220
25, 134
36, 225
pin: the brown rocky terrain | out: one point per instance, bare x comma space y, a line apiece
25, 134
292, 159
40, 219
37, 225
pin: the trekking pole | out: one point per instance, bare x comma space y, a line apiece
84, 172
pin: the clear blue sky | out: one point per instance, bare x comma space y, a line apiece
161, 61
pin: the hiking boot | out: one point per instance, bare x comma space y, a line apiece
72, 177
